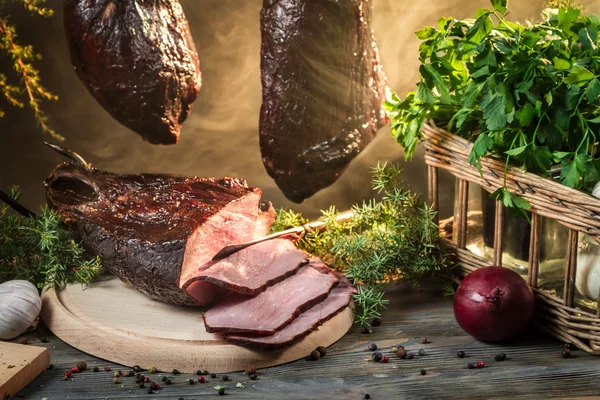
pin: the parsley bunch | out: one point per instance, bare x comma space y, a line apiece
527, 94
38, 249
393, 239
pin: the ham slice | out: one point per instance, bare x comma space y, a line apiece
251, 270
308, 321
276, 306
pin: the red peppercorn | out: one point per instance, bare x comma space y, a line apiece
74, 370
107, 368
68, 374
147, 380
480, 364
201, 379
385, 359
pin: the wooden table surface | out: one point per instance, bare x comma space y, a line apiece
534, 367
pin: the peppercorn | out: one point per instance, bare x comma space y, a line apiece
251, 369
164, 378
401, 352
154, 386
498, 357
421, 352
566, 353
423, 372
569, 346
366, 330
96, 369
107, 369
137, 368
150, 390
367, 396
460, 354
65, 378
423, 340
168, 382
120, 372
44, 339
470, 365
67, 374
222, 392
146, 379
175, 372
377, 356
81, 366
385, 359
213, 375
191, 381
372, 346
51, 366
199, 372
503, 356
117, 374
410, 355
394, 349
201, 379
322, 350
315, 355
205, 372
141, 385
130, 373
376, 322
253, 377
74, 370
480, 364
152, 369
225, 378
115, 380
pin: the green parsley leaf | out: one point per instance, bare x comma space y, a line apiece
589, 37
560, 64
579, 76
526, 114
481, 28
499, 5
592, 92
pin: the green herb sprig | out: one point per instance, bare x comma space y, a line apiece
527, 94
38, 249
393, 239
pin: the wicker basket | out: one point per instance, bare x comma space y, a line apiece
576, 210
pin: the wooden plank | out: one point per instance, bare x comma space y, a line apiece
571, 270
459, 232
534, 250
114, 322
19, 365
498, 232
432, 191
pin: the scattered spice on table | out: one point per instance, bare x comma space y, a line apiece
460, 354
315, 355
115, 380
372, 346
168, 382
225, 378
376, 322
566, 353
191, 381
74, 370
410, 355
385, 360
423, 372
213, 375
377, 356
421, 352
480, 364
152, 369
51, 366
164, 378
424, 340
470, 365
322, 350
500, 357
96, 369
367, 396
117, 374
199, 372
141, 385
201, 379
175, 372
107, 368
253, 377
81, 366
240, 385
401, 352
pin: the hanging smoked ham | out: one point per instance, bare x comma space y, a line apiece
138, 59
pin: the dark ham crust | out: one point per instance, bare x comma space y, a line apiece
139, 61
253, 269
140, 225
323, 88
310, 320
275, 307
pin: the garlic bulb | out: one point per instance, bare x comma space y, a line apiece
20, 304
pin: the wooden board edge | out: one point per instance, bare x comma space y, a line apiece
23, 377
186, 356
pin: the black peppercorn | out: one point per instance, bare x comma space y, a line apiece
566, 353
164, 378
423, 372
372, 346
44, 339
253, 377
168, 382
410, 355
149, 390
421, 352
376, 322
377, 356
367, 396
137, 368
181, 398
569, 346
366, 330
503, 356
497, 357
141, 385
225, 378
222, 392
322, 350
51, 366
213, 375
470, 365
130, 373
460, 354
191, 381
199, 372
175, 372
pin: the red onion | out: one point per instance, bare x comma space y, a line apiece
493, 304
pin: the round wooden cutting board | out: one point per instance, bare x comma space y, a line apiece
110, 320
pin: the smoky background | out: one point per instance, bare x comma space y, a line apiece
220, 138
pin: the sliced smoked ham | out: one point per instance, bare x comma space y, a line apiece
276, 306
253, 269
308, 321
